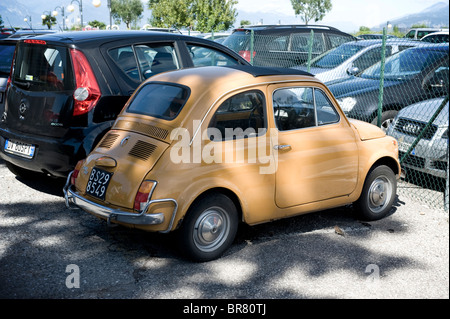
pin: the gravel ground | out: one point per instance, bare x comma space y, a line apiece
50, 252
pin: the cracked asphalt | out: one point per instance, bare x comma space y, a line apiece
50, 252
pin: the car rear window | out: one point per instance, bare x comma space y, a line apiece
41, 67
159, 100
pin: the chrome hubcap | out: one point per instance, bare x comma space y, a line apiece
211, 229
380, 193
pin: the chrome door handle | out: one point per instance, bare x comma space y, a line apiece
283, 147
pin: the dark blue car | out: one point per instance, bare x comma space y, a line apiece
413, 75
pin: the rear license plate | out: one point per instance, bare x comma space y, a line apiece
98, 183
19, 148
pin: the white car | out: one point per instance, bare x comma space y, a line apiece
436, 37
430, 154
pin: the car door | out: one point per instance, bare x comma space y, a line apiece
317, 151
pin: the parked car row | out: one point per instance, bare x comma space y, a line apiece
143, 124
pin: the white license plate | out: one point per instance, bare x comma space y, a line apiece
19, 148
404, 147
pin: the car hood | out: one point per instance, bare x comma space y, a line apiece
423, 111
366, 130
357, 86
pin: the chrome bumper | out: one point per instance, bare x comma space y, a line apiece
72, 198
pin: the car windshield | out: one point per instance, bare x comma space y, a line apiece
159, 100
6, 56
405, 64
337, 56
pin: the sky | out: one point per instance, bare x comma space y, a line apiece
353, 12
361, 13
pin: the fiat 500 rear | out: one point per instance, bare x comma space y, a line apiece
198, 150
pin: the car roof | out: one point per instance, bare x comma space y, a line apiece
288, 28
110, 35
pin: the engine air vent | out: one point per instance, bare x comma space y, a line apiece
142, 150
108, 140
147, 129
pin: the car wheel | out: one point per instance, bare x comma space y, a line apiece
378, 194
209, 228
386, 119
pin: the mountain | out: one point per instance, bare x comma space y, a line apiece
436, 16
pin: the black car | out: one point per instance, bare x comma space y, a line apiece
67, 89
410, 76
284, 45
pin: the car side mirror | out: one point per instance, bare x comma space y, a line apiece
353, 70
438, 80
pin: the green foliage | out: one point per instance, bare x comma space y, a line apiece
127, 10
49, 20
214, 15
201, 15
245, 22
311, 9
1, 22
97, 24
170, 13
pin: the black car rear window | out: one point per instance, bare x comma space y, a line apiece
40, 67
159, 100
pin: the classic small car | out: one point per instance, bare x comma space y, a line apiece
196, 151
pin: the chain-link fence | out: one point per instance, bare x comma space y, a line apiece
398, 84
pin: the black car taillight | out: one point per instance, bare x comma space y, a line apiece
246, 54
87, 92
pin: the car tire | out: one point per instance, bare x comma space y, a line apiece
209, 228
387, 118
378, 194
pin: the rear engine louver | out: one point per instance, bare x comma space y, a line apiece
146, 129
109, 140
142, 150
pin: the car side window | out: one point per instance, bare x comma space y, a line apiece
300, 42
336, 40
296, 108
205, 56
370, 57
145, 60
242, 115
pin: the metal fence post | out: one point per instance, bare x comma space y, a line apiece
310, 45
380, 95
252, 42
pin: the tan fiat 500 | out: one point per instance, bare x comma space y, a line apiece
197, 151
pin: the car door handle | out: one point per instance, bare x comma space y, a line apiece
283, 147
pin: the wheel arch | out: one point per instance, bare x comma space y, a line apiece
216, 190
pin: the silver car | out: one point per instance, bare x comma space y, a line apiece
352, 58
430, 154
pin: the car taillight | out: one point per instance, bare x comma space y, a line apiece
76, 171
87, 92
142, 195
32, 41
246, 54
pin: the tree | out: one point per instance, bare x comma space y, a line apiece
245, 22
127, 10
49, 20
214, 15
311, 9
97, 24
171, 13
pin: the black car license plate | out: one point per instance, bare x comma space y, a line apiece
98, 183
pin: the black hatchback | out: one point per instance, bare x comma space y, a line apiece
284, 45
67, 89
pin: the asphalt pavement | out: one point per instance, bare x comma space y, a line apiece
50, 252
